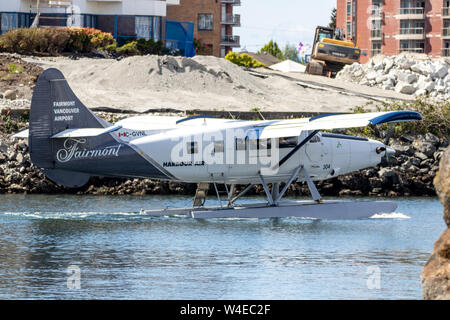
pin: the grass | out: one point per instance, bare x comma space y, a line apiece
15, 69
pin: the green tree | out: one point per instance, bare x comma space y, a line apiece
290, 53
273, 49
332, 23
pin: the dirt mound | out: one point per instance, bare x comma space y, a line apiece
144, 83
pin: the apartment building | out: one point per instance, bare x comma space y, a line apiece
214, 21
394, 26
126, 20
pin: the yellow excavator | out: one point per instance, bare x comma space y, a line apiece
331, 52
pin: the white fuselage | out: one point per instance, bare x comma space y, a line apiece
216, 150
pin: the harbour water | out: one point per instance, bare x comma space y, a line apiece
101, 247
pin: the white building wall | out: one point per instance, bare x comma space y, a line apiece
119, 7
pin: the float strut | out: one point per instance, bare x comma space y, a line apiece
266, 189
291, 179
311, 186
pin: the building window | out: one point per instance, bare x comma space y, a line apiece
349, 29
349, 9
376, 48
206, 22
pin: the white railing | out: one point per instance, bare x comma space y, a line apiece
233, 2
412, 11
234, 19
416, 50
231, 41
412, 30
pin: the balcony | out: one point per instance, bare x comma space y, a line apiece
411, 49
411, 14
446, 52
411, 34
446, 12
232, 2
232, 19
231, 41
446, 33
376, 35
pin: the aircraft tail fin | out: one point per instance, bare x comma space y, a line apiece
55, 109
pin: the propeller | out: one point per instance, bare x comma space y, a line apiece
388, 151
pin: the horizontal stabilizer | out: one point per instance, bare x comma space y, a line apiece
21, 135
85, 132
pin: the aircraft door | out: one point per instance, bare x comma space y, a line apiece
219, 167
318, 156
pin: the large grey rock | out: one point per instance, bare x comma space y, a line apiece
372, 75
424, 146
423, 67
406, 77
440, 70
10, 95
406, 88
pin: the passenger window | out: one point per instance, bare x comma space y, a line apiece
219, 146
265, 144
240, 144
192, 147
287, 142
265, 147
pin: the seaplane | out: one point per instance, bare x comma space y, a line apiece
70, 144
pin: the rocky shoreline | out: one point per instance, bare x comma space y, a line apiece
409, 173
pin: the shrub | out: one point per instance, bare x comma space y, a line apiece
54, 40
150, 46
243, 60
129, 49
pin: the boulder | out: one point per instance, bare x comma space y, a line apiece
441, 70
436, 273
426, 147
10, 95
388, 64
424, 67
406, 88
406, 77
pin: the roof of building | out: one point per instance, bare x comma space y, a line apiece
265, 58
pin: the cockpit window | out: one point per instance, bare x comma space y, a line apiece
287, 142
315, 139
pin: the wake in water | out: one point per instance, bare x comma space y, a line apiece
392, 215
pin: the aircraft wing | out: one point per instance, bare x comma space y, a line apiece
342, 121
286, 128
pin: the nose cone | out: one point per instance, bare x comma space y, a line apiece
390, 152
